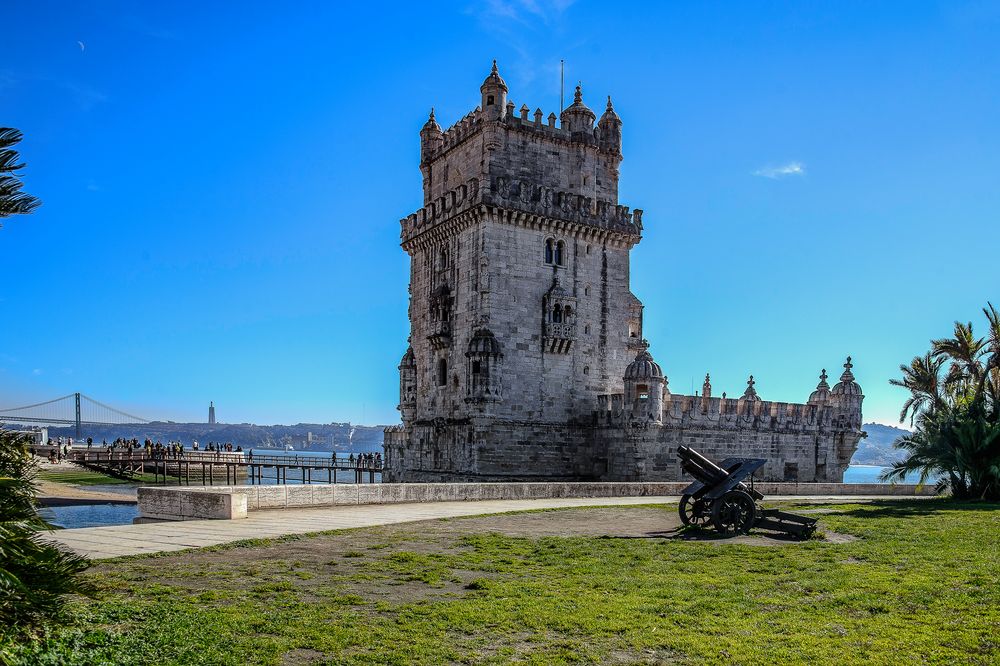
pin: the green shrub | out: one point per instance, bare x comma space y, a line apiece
35, 576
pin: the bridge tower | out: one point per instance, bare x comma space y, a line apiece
78, 429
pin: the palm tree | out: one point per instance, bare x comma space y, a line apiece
957, 429
12, 200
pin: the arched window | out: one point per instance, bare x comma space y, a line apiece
489, 100
442, 372
560, 251
548, 250
567, 314
556, 314
443, 259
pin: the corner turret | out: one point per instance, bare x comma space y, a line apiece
644, 382
609, 132
431, 137
494, 90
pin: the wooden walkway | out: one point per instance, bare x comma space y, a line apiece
205, 467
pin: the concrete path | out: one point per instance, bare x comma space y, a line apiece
119, 540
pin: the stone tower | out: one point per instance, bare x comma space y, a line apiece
520, 310
526, 355
211, 412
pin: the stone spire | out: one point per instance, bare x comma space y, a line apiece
610, 130
848, 376
751, 392
706, 388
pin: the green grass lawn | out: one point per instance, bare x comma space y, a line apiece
920, 584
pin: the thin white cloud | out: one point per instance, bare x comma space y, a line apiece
36, 371
790, 169
522, 11
83, 47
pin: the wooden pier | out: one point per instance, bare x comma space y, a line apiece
208, 467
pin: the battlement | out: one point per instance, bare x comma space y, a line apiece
473, 122
528, 198
687, 411
581, 155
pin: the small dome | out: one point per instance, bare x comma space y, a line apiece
494, 79
847, 385
431, 125
409, 360
484, 342
579, 110
822, 392
609, 115
643, 367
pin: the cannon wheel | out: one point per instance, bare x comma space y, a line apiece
694, 511
734, 513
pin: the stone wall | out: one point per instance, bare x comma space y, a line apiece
233, 502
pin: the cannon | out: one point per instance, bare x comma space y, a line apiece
724, 496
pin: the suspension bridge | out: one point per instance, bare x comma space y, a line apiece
73, 409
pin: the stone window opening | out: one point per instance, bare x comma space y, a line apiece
442, 372
548, 250
443, 259
586, 329
556, 314
586, 369
567, 314
643, 391
489, 100
560, 252
477, 368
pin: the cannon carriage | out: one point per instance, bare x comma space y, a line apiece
724, 496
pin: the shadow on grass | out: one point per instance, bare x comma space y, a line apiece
911, 508
692, 533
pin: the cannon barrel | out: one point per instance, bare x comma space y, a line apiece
700, 467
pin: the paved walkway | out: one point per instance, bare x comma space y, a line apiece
119, 540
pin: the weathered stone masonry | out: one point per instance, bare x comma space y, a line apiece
526, 358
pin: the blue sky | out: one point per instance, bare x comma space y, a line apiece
222, 188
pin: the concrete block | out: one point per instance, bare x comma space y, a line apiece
299, 495
272, 497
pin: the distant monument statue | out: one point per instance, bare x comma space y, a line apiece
526, 355
211, 413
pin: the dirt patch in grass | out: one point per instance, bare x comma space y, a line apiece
408, 562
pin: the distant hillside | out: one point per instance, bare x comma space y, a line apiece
324, 436
877, 448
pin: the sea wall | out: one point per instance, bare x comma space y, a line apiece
207, 502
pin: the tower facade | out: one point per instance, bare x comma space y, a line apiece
526, 356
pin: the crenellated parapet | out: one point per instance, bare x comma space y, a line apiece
548, 201
457, 200
526, 197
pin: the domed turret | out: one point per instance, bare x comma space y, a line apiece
821, 395
644, 382
431, 137
610, 130
484, 342
494, 91
847, 386
847, 396
578, 117
643, 367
